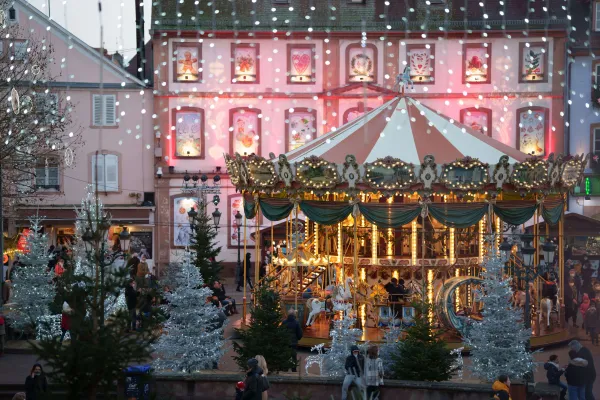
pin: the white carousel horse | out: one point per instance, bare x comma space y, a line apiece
315, 308
343, 293
547, 309
519, 298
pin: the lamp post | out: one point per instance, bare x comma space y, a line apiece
528, 255
238, 269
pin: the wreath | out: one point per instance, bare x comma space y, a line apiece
355, 59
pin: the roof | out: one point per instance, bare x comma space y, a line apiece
575, 225
409, 130
59, 30
341, 16
581, 21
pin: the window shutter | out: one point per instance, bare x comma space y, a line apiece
97, 110
111, 163
40, 176
110, 109
53, 176
98, 172
597, 15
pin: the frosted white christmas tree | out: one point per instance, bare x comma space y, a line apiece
343, 336
32, 283
499, 342
89, 215
192, 339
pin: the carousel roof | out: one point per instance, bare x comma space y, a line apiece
408, 130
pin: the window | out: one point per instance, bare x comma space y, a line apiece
187, 62
420, 58
595, 140
300, 127
46, 175
245, 66
356, 1
12, 14
597, 16
189, 132
475, 62
532, 130
46, 107
104, 110
477, 118
245, 131
105, 168
301, 63
361, 63
19, 50
596, 75
533, 62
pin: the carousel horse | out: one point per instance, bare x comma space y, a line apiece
343, 293
316, 307
547, 309
519, 298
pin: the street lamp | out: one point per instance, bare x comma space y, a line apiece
505, 249
87, 238
192, 215
528, 252
216, 217
124, 237
549, 250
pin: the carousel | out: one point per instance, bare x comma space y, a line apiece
403, 192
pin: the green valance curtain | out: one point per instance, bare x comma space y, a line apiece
455, 215
326, 212
552, 211
458, 215
386, 217
515, 212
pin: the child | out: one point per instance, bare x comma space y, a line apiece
239, 390
576, 374
553, 373
501, 388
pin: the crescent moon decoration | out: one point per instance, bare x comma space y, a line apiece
14, 100
445, 305
69, 157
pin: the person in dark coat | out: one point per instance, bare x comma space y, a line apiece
586, 278
132, 265
571, 302
247, 266
295, 334
227, 302
36, 384
576, 376
355, 367
589, 373
253, 384
131, 297
550, 290
553, 373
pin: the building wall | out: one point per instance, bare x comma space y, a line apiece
272, 95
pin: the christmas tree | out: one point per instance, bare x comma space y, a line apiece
32, 286
192, 338
265, 335
102, 346
423, 355
390, 347
498, 343
205, 253
343, 336
533, 63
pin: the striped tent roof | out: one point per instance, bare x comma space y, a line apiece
407, 129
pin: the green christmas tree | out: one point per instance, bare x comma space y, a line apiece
499, 342
423, 355
204, 251
265, 335
32, 283
102, 346
533, 62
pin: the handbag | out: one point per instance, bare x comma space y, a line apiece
265, 383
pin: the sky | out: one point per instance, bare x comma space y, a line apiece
81, 17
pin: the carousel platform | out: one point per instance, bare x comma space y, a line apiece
319, 333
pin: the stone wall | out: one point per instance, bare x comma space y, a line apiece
222, 387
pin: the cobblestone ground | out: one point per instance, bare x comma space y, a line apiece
15, 367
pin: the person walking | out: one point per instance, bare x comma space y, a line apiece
585, 304
571, 302
591, 323
553, 374
590, 370
141, 273
65, 321
131, 297
576, 376
252, 384
262, 364
36, 384
295, 334
373, 373
354, 366
246, 267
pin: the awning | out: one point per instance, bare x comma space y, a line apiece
66, 216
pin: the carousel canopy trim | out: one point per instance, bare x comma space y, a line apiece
384, 215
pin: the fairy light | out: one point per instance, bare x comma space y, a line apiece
430, 291
413, 243
481, 247
452, 246
375, 235
363, 274
497, 236
395, 274
457, 302
316, 238
340, 251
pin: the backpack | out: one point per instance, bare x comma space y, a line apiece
264, 383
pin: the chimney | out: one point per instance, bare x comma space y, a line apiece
117, 58
139, 34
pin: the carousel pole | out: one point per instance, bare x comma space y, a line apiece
244, 308
296, 283
423, 275
256, 251
329, 277
356, 308
272, 250
561, 261
536, 245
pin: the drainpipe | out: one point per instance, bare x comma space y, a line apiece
566, 108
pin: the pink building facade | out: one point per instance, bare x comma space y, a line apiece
266, 90
113, 112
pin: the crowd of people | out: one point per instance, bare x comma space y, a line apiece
581, 299
580, 373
